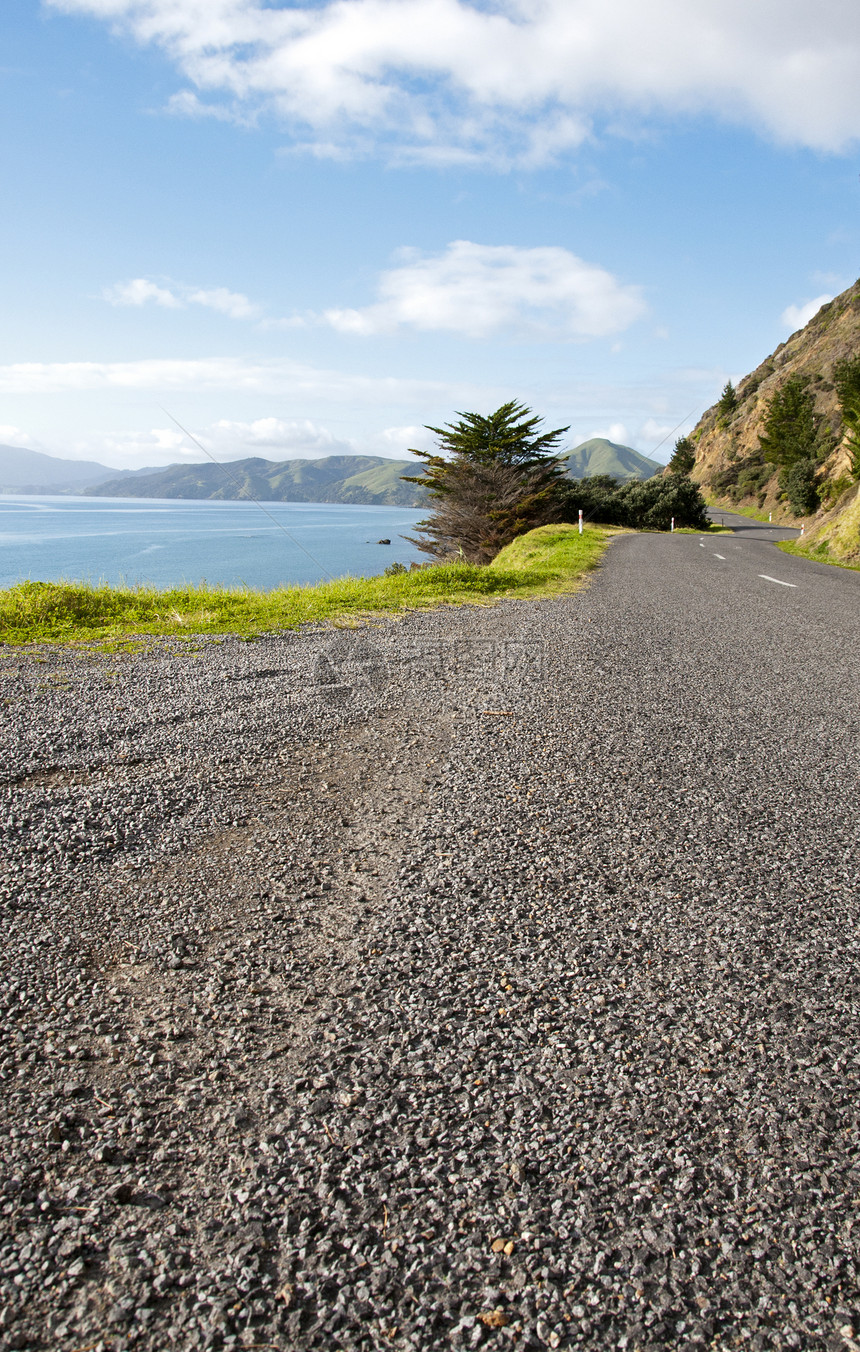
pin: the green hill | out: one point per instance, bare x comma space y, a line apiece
371, 480
599, 456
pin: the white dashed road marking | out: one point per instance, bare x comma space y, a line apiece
778, 580
720, 556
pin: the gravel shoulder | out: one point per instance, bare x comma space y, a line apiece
487, 978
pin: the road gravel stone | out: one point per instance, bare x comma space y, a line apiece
486, 979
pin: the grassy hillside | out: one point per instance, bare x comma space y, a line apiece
545, 562
367, 479
599, 456
835, 537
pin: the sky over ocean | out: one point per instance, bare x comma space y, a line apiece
309, 229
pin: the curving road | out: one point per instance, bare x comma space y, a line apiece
747, 528
486, 979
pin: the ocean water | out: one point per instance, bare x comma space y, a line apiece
166, 542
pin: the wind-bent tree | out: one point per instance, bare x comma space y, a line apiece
491, 479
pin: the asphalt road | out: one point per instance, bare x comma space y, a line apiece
485, 979
750, 529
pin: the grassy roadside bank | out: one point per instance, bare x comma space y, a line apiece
817, 554
545, 562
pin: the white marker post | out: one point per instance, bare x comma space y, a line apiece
802, 528
580, 520
672, 527
770, 516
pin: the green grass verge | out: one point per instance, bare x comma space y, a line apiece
547, 561
817, 554
710, 530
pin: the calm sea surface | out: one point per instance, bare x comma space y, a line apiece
166, 543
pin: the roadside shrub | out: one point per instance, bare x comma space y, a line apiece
646, 504
797, 482
725, 480
832, 489
752, 478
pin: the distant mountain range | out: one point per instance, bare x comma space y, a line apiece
366, 479
362, 479
23, 471
599, 456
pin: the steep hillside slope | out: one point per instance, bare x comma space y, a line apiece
600, 456
730, 463
362, 479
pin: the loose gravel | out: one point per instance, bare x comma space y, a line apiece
484, 979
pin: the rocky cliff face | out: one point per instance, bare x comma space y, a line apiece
729, 462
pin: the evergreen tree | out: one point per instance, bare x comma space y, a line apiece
797, 481
790, 426
728, 402
846, 378
492, 478
684, 457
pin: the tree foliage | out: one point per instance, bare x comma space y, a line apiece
790, 426
648, 504
683, 457
846, 378
727, 402
492, 478
798, 482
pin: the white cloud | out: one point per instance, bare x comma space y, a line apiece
396, 441
234, 376
480, 289
185, 103
16, 436
616, 432
231, 303
796, 317
517, 80
655, 431
140, 291
272, 438
225, 440
288, 438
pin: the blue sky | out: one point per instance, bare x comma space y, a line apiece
311, 229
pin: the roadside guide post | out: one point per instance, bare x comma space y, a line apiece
580, 520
